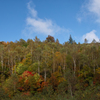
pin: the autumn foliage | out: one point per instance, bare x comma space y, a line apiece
49, 69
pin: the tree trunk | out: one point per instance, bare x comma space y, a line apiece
45, 74
31, 54
11, 65
74, 66
79, 69
19, 58
38, 67
53, 62
5, 66
64, 67
71, 91
2, 62
94, 69
15, 66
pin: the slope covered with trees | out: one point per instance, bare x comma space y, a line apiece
49, 70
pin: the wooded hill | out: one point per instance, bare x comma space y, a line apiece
49, 70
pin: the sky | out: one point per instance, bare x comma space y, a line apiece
26, 19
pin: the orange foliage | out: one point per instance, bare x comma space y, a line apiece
42, 85
26, 93
25, 84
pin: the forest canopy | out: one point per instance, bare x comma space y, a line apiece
49, 70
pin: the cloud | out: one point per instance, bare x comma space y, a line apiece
94, 8
34, 24
32, 11
79, 19
90, 36
91, 9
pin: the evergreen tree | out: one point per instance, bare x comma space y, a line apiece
70, 40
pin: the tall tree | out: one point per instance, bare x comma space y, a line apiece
85, 41
70, 40
2, 55
46, 57
50, 39
94, 41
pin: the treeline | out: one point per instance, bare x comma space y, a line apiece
49, 70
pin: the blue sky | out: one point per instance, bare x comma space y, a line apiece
59, 18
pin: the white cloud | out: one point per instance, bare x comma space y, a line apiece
79, 19
32, 11
35, 24
94, 7
90, 36
91, 9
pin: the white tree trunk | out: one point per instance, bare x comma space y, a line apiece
2, 62
45, 74
74, 66
38, 67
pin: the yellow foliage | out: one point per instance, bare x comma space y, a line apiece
98, 70
59, 68
98, 94
37, 76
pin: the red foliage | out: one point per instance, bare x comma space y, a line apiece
27, 73
26, 93
93, 83
24, 82
20, 88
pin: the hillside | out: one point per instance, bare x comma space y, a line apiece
48, 70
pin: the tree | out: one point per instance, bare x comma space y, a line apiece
94, 41
71, 81
30, 47
36, 40
57, 41
46, 57
10, 85
85, 41
23, 42
50, 39
37, 54
2, 55
64, 54
70, 40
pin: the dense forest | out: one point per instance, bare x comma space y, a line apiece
48, 70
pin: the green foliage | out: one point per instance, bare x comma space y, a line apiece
62, 87
10, 85
28, 60
48, 70
71, 40
21, 68
23, 42
69, 61
0, 66
3, 95
33, 67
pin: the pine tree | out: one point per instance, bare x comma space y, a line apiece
70, 40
